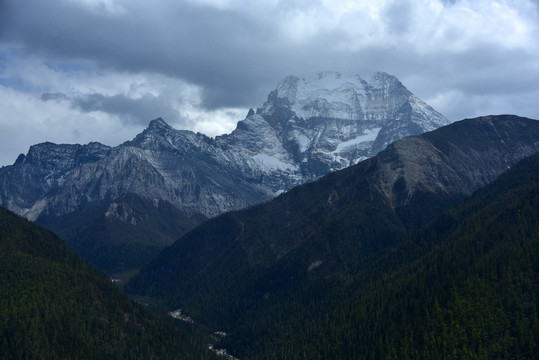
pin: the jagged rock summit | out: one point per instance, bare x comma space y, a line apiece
305, 129
332, 121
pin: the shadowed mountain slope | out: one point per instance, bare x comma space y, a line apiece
120, 236
55, 306
465, 286
321, 233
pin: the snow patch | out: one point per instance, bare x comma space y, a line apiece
329, 94
302, 140
36, 210
361, 141
272, 163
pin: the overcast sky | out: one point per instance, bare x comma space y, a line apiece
75, 71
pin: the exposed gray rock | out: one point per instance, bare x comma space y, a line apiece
456, 161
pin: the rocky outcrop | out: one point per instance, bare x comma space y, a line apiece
456, 160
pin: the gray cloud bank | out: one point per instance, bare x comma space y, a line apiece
124, 62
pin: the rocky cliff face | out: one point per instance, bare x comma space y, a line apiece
456, 160
306, 129
314, 126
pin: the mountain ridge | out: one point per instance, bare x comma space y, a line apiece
333, 124
338, 221
120, 235
463, 286
331, 121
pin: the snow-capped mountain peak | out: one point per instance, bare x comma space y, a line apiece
335, 120
334, 95
307, 128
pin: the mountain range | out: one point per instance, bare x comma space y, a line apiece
305, 129
345, 218
344, 267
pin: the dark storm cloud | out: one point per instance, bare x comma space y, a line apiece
236, 56
56, 96
216, 49
398, 17
121, 63
237, 59
133, 111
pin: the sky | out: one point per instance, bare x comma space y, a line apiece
76, 71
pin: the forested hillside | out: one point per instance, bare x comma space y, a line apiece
323, 231
342, 268
464, 287
120, 236
55, 306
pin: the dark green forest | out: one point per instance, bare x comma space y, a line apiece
55, 306
463, 286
